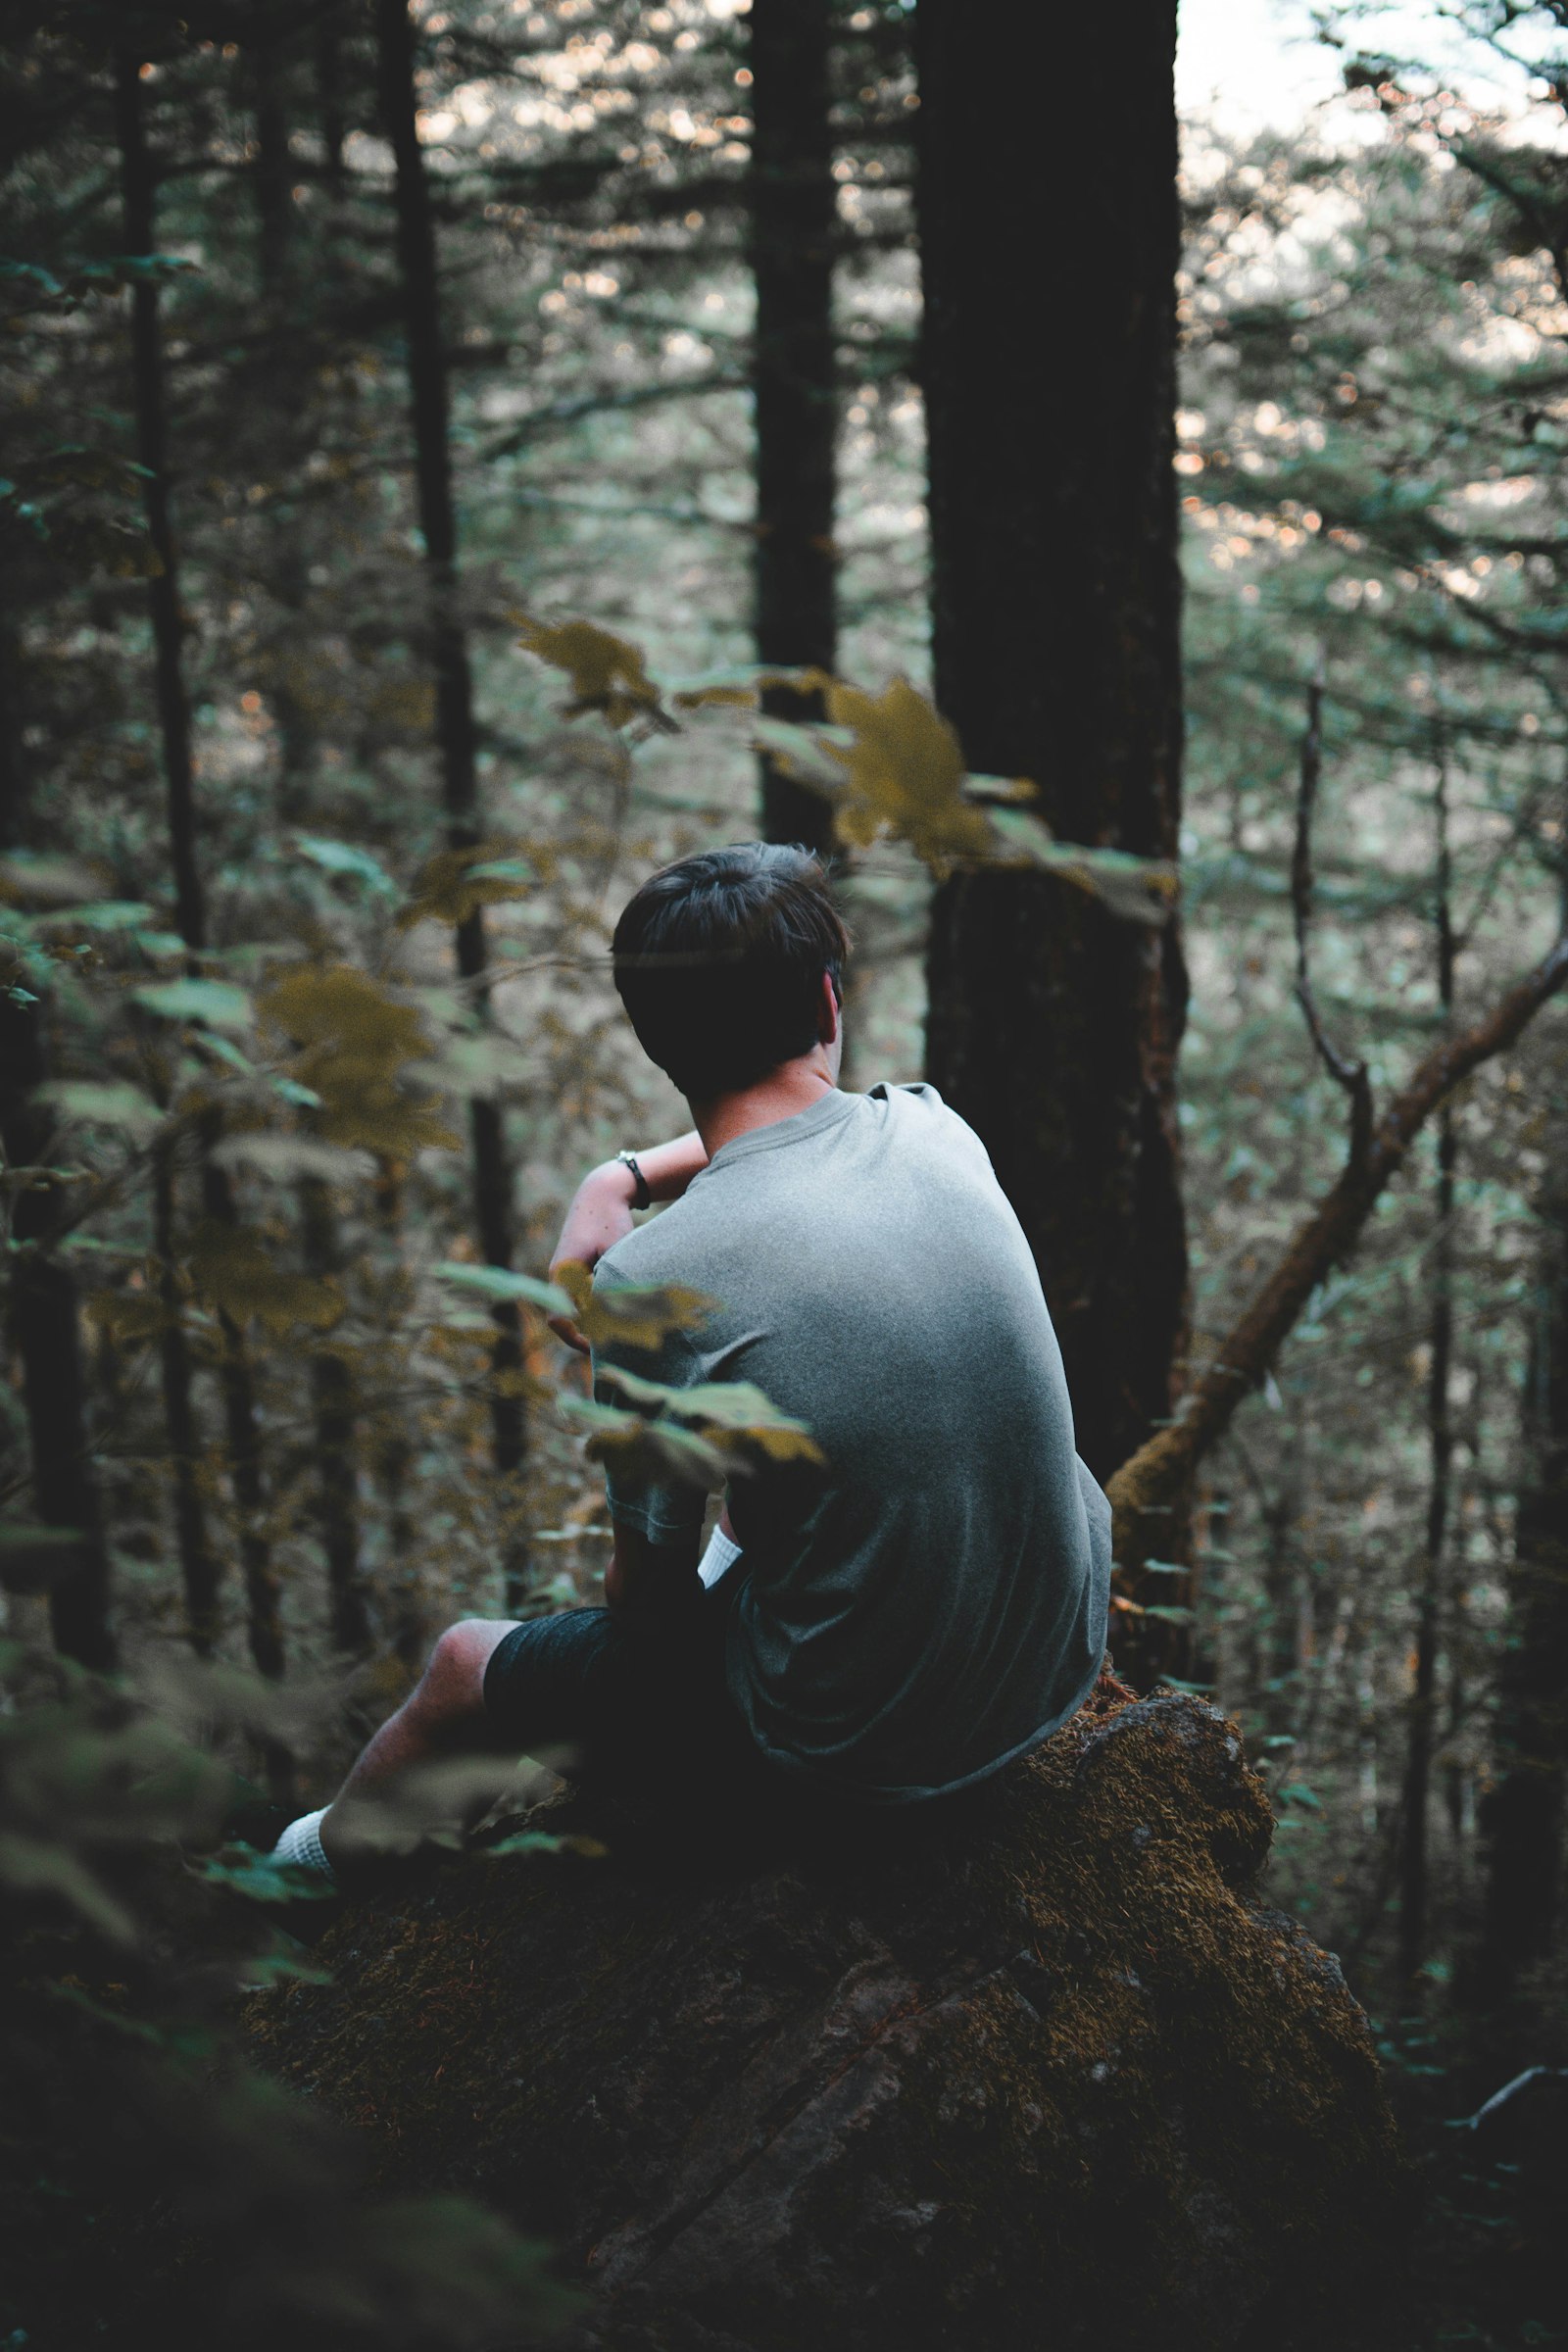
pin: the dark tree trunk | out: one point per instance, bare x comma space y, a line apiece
332, 1396
271, 171
793, 212
1414, 1875
454, 695
331, 1381
329, 97
1050, 403
1522, 1817
45, 1332
41, 1302
197, 1567
242, 1424
139, 188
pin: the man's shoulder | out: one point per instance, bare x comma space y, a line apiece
920, 1112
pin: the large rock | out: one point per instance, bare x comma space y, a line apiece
1044, 2075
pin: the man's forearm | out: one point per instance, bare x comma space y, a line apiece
669, 1168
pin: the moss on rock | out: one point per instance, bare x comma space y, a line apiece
1042, 2072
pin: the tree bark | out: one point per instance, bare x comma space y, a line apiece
334, 1404
270, 170
138, 182
1522, 1816
456, 737
793, 216
1056, 607
197, 1566
42, 1307
138, 178
45, 1332
329, 98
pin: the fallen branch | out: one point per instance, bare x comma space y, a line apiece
1146, 1484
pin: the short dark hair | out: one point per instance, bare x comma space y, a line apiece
719, 961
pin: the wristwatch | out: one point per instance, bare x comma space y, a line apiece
641, 1197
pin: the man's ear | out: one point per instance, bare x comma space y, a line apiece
830, 1011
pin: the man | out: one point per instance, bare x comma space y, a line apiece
903, 1618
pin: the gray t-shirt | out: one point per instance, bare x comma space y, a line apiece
931, 1604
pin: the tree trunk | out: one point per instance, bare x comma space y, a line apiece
45, 1332
329, 98
793, 217
197, 1567
139, 188
455, 725
42, 1307
1414, 1874
1052, 1027
1523, 1814
332, 1398
271, 169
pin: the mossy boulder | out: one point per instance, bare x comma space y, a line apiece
1043, 2074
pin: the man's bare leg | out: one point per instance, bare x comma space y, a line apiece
441, 1719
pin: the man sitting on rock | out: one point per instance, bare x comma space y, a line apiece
886, 1625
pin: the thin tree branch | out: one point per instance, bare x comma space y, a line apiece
1351, 1075
1146, 1483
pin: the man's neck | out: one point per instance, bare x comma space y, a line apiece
792, 1088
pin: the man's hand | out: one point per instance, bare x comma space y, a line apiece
601, 1209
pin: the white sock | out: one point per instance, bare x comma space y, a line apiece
721, 1554
301, 1846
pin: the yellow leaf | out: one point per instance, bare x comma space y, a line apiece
743, 689
129, 1318
356, 1041
904, 774
607, 673
449, 885
630, 1317
233, 1272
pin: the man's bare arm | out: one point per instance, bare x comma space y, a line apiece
600, 1210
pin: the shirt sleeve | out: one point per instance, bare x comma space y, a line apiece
664, 1507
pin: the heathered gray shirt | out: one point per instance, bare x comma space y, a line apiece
933, 1602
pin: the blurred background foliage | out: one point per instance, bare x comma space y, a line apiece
347, 356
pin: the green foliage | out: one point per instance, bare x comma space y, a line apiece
709, 1433
136, 2146
218, 1003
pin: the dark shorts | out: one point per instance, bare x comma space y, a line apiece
621, 1696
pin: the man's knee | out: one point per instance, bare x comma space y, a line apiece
451, 1689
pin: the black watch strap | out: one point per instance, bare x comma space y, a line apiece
642, 1197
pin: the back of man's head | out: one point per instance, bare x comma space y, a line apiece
719, 961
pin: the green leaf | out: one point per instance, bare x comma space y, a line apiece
499, 1282
342, 858
1298, 1794
1137, 890
101, 1105
218, 1003
227, 1051
107, 915
1166, 1568
734, 1406
262, 1880
1171, 1614
539, 1841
